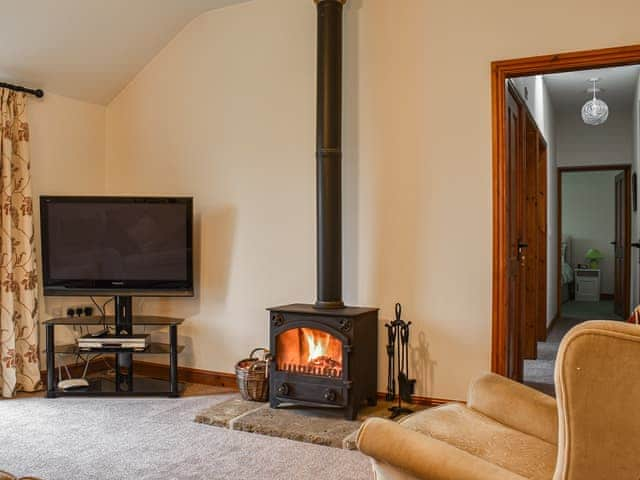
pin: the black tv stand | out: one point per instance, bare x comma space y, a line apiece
124, 382
123, 309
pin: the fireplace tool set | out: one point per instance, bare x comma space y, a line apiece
398, 355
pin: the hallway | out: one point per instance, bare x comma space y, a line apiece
539, 373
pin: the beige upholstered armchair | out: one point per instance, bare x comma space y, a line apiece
508, 431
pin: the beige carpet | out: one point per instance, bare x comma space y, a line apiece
311, 425
153, 439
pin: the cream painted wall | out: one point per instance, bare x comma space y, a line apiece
226, 112
232, 125
67, 157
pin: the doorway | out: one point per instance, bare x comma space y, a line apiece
508, 351
594, 242
593, 259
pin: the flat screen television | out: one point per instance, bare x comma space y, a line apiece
124, 246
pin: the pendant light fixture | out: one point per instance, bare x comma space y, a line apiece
595, 111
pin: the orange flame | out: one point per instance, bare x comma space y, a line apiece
317, 343
310, 349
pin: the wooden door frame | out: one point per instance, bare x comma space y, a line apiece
500, 72
626, 168
543, 157
540, 306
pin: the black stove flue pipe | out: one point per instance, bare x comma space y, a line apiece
329, 154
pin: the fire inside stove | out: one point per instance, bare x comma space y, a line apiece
309, 351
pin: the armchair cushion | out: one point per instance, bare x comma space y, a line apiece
422, 456
515, 405
486, 439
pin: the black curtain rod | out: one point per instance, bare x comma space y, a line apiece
38, 93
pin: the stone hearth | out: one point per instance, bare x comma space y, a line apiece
310, 425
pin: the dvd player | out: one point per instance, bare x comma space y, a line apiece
105, 341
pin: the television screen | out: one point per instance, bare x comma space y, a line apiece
117, 245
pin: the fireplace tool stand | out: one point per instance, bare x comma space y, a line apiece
398, 336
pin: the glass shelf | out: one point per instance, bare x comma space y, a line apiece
102, 386
152, 349
110, 320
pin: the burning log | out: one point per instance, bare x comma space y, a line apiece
324, 361
321, 367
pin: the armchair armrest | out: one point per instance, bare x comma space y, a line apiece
515, 405
422, 456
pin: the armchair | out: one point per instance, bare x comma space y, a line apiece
508, 431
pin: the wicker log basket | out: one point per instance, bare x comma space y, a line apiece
252, 376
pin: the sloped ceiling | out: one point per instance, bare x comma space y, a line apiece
88, 49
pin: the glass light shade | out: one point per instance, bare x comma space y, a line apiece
595, 112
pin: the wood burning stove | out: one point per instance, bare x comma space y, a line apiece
326, 354
324, 358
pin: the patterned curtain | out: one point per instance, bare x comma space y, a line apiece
19, 361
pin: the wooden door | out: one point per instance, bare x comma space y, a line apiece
527, 234
620, 248
515, 174
530, 238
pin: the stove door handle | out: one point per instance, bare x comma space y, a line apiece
283, 389
330, 395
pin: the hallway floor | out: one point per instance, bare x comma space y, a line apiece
539, 373
602, 310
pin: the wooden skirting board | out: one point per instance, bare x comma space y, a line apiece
419, 400
208, 377
186, 374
